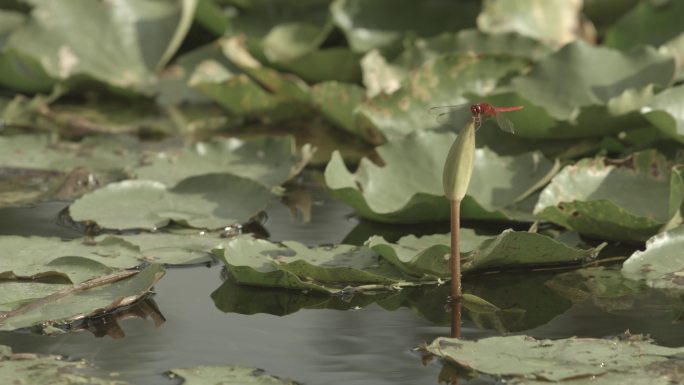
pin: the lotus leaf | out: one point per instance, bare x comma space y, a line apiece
525, 360
292, 265
442, 81
125, 56
581, 76
176, 248
408, 189
366, 25
472, 41
77, 260
338, 102
555, 23
661, 264
29, 368
382, 265
226, 375
647, 23
204, 201
100, 295
629, 200
268, 160
666, 112
509, 249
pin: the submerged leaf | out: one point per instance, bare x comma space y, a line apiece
226, 375
29, 368
525, 360
204, 201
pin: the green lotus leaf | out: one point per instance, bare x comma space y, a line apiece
408, 189
75, 260
177, 248
366, 25
19, 72
471, 41
439, 82
226, 375
666, 112
382, 265
509, 249
292, 265
328, 64
661, 264
126, 56
338, 102
525, 360
29, 368
647, 23
603, 13
628, 201
581, 76
204, 201
555, 23
269, 160
246, 88
80, 301
43, 152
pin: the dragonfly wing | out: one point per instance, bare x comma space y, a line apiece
504, 123
451, 115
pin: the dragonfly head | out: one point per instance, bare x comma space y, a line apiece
476, 110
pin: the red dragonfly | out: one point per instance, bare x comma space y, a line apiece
479, 112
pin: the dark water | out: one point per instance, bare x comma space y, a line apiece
319, 346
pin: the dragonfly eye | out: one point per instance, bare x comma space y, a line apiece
475, 109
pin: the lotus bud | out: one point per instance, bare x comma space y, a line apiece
459, 164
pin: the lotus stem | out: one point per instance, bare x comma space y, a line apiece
455, 260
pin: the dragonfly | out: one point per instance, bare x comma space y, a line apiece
478, 111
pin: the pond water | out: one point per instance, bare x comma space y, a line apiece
370, 345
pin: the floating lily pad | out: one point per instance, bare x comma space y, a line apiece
667, 113
382, 265
268, 160
75, 260
29, 368
226, 375
408, 189
525, 360
292, 265
629, 200
100, 295
124, 57
429, 255
204, 201
555, 23
661, 265
366, 25
442, 81
175, 248
580, 76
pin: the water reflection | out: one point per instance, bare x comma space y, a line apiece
109, 324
